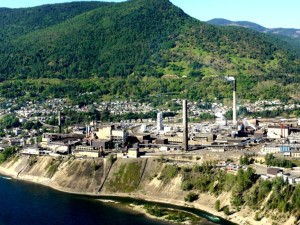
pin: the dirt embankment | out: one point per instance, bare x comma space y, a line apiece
65, 174
149, 179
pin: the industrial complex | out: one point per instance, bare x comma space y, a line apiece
177, 136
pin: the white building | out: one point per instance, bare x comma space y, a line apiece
109, 133
294, 137
270, 149
31, 151
278, 131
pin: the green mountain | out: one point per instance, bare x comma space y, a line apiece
287, 32
135, 49
290, 35
17, 22
245, 24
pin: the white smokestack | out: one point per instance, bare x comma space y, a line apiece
59, 122
185, 125
159, 121
234, 121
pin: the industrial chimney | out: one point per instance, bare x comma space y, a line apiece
59, 122
234, 104
185, 125
159, 121
234, 122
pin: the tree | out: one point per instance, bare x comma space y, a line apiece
187, 186
7, 153
9, 121
191, 197
218, 205
245, 160
256, 217
226, 210
237, 199
271, 160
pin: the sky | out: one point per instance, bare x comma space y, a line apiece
268, 13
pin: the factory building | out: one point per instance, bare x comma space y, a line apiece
86, 151
60, 143
295, 154
276, 132
133, 153
110, 133
294, 137
290, 150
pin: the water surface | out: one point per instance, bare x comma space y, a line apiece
29, 204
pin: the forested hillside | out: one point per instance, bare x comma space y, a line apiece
104, 47
288, 32
17, 22
290, 35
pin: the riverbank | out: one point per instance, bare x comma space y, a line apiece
80, 177
167, 214
205, 203
198, 205
7, 173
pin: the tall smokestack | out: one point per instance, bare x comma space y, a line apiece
185, 125
234, 104
59, 122
159, 121
87, 130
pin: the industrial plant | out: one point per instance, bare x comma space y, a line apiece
172, 136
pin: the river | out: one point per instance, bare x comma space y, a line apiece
23, 203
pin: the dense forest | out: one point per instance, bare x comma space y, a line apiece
137, 49
17, 22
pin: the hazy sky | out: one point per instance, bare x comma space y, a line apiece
268, 13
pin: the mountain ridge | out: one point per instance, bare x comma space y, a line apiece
289, 32
13, 22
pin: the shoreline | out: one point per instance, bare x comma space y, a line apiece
205, 202
47, 183
141, 209
203, 208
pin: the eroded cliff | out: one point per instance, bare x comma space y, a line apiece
147, 178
